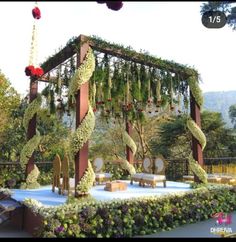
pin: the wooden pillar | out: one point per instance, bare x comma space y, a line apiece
82, 97
129, 153
196, 146
32, 123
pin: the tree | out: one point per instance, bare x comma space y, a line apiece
174, 139
224, 6
232, 114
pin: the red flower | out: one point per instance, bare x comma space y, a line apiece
36, 72
29, 70
114, 5
36, 13
39, 71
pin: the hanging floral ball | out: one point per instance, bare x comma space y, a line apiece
114, 5
36, 13
29, 70
32, 71
38, 72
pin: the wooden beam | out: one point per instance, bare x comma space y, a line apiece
129, 153
196, 146
82, 97
32, 123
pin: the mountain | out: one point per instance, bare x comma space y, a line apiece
220, 102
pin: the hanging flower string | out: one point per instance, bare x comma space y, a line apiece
113, 5
32, 70
36, 13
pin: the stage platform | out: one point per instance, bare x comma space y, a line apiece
49, 198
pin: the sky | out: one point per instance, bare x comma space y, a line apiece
168, 30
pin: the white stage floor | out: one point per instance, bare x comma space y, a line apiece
49, 198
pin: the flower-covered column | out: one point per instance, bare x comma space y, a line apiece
82, 97
34, 73
129, 152
195, 115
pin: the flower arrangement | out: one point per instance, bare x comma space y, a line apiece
87, 180
130, 217
84, 131
31, 180
31, 110
29, 148
197, 169
34, 72
36, 13
196, 91
83, 73
196, 132
129, 142
127, 166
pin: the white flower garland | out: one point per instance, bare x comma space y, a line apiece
32, 108
86, 181
197, 169
127, 166
29, 148
85, 129
196, 132
31, 180
83, 73
129, 142
196, 91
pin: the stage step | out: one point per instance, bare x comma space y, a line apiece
9, 205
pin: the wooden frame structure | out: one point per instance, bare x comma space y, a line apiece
84, 42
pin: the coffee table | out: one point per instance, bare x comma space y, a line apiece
115, 186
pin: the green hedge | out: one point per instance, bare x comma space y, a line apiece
132, 217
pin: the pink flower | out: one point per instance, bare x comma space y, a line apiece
36, 13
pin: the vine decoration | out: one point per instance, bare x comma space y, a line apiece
85, 129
